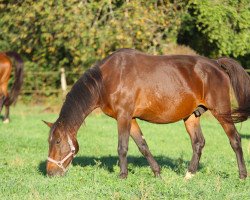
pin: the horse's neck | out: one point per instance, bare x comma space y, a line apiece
71, 125
83, 98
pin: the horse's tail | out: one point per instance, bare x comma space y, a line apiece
240, 82
16, 87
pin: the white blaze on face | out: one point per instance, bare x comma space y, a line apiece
72, 148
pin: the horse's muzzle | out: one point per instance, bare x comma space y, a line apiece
53, 170
58, 172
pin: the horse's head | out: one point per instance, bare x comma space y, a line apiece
63, 146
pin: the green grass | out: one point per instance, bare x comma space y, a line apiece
94, 173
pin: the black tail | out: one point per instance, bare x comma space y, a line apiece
240, 82
18, 82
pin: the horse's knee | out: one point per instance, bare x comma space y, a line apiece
144, 149
122, 151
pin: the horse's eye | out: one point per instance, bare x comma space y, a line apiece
58, 141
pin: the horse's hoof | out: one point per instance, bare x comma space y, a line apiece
188, 175
243, 176
123, 176
157, 175
6, 121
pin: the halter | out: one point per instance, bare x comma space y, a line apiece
71, 153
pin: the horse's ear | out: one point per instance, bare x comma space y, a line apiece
49, 124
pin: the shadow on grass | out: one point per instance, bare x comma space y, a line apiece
108, 162
245, 136
42, 168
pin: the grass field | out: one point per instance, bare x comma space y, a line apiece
94, 173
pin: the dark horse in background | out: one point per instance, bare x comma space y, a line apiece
8, 60
129, 84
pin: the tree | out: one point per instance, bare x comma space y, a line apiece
52, 34
218, 27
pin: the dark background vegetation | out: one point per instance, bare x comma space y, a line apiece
74, 34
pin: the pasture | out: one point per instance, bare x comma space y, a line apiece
94, 172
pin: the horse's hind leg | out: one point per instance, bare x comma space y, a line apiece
3, 96
235, 141
192, 124
137, 136
7, 113
5, 92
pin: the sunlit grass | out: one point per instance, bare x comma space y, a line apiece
94, 173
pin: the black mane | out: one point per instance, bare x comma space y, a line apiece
79, 100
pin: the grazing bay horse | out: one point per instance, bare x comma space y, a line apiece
7, 61
129, 85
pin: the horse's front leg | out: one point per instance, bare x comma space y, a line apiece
137, 136
124, 124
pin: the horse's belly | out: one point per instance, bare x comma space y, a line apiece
161, 118
166, 112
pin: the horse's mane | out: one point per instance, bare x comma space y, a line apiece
79, 100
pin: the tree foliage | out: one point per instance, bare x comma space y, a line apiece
218, 27
76, 33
